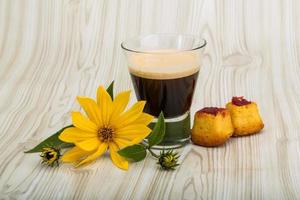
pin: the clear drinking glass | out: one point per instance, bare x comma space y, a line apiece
164, 69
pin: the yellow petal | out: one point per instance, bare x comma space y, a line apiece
74, 134
134, 133
83, 123
129, 116
105, 104
88, 145
120, 103
122, 143
101, 149
139, 139
91, 109
134, 129
135, 139
74, 155
118, 160
144, 119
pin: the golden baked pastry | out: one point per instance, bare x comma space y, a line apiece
245, 116
212, 127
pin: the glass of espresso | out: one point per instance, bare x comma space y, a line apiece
164, 69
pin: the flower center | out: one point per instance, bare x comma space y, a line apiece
49, 155
106, 134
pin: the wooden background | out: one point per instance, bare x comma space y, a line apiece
51, 51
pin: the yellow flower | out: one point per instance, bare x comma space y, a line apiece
108, 126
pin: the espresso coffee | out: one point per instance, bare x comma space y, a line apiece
165, 80
172, 96
164, 69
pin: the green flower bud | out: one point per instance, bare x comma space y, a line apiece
168, 160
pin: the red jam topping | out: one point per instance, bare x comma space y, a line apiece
240, 101
211, 110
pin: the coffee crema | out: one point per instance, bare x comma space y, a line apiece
165, 80
163, 64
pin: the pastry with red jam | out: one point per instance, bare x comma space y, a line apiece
245, 116
212, 127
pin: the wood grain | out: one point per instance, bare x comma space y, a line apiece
51, 51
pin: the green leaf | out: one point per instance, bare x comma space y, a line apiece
52, 141
135, 152
110, 90
158, 132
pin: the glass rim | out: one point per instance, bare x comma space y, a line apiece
201, 44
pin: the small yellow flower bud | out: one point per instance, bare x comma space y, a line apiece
50, 156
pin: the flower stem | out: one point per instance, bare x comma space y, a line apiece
152, 153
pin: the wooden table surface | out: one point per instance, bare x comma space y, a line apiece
52, 51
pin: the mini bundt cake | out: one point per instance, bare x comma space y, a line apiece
245, 116
212, 127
